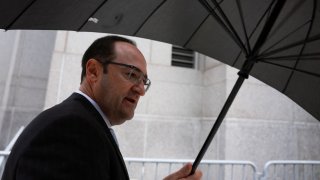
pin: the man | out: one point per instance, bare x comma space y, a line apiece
74, 139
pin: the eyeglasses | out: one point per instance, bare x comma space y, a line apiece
133, 74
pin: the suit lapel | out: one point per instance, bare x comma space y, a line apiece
98, 117
116, 147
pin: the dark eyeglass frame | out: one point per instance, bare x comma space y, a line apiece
146, 81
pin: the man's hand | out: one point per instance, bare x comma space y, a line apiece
183, 173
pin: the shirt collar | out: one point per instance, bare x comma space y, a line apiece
97, 107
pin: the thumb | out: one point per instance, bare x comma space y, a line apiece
183, 172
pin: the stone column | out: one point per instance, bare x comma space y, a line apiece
24, 65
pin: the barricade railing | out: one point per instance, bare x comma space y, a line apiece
4, 154
291, 170
154, 169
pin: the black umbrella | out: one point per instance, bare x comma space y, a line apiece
276, 41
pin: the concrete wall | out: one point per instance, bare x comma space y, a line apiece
25, 62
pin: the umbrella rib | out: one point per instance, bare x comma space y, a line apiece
292, 69
285, 37
304, 44
252, 58
85, 22
286, 16
309, 56
20, 14
234, 32
261, 18
145, 21
292, 45
267, 27
243, 25
196, 30
236, 59
254, 29
221, 23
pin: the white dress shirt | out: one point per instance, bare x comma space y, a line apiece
106, 120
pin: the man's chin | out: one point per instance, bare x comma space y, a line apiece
130, 117
124, 118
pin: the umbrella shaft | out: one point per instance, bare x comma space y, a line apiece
218, 122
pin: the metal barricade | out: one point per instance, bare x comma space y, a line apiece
291, 170
154, 169
5, 153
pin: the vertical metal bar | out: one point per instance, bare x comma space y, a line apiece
232, 171
156, 171
309, 171
285, 172
129, 165
142, 171
304, 172
294, 172
312, 175
255, 175
298, 171
208, 170
244, 172
220, 173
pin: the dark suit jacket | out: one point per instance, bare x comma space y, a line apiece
66, 142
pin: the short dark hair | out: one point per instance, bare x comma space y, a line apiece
103, 50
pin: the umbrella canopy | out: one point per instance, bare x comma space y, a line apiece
276, 41
227, 30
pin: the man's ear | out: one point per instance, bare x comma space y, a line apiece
93, 70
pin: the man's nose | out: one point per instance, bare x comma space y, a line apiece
139, 88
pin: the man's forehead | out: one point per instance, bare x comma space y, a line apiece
125, 48
130, 54
124, 44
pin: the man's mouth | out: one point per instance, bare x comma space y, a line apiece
131, 100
